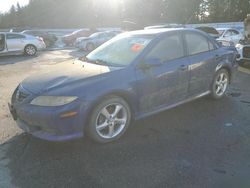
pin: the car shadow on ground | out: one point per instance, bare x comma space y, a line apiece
12, 59
176, 148
78, 53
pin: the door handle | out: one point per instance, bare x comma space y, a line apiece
183, 67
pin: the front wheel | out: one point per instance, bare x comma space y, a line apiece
30, 50
109, 120
220, 84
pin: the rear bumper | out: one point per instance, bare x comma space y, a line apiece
41, 46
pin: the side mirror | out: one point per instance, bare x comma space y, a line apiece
150, 62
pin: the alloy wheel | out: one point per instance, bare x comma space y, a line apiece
221, 84
111, 120
30, 50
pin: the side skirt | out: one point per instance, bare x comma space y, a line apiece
172, 106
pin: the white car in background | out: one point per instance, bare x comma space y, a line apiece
229, 35
13, 43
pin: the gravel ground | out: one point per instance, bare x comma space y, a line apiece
201, 144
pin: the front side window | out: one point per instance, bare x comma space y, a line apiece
196, 43
169, 48
120, 51
15, 36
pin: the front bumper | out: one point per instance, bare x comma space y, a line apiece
45, 122
41, 46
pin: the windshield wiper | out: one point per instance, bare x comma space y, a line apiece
99, 62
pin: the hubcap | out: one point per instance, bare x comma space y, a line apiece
30, 50
111, 120
221, 84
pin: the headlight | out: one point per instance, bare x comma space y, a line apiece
238, 46
52, 100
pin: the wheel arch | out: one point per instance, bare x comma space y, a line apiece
227, 68
126, 96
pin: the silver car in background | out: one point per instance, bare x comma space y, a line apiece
13, 43
94, 40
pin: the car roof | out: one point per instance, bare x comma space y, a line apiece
159, 31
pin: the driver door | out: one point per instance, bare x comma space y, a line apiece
15, 42
166, 84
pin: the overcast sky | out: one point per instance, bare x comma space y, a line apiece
6, 4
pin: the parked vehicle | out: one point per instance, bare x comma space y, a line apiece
13, 43
94, 40
48, 38
70, 39
244, 54
131, 76
230, 34
244, 46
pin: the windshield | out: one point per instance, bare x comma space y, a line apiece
120, 51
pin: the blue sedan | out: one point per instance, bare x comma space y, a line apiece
134, 75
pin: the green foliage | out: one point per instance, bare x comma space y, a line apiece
98, 13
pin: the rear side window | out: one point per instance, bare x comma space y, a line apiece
196, 43
169, 48
15, 36
234, 32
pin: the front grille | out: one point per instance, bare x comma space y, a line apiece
246, 52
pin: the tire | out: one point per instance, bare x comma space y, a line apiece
90, 47
109, 120
220, 84
30, 50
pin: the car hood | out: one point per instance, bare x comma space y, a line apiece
63, 74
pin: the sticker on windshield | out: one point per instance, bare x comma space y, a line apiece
137, 47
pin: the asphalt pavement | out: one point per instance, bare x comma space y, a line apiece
201, 144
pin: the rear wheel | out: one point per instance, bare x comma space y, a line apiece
109, 120
220, 84
30, 50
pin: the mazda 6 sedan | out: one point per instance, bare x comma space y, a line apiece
134, 75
